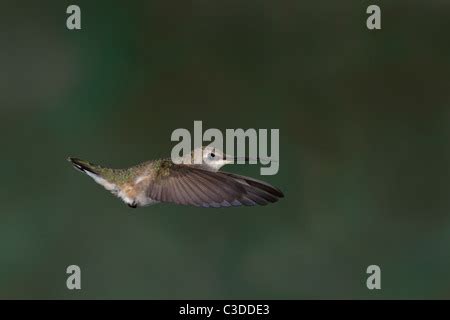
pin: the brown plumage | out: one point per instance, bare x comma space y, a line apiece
188, 185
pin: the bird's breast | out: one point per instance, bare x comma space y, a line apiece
136, 193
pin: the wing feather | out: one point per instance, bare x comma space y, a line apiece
187, 185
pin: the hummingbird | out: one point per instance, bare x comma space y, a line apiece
182, 182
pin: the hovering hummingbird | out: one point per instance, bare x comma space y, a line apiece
201, 185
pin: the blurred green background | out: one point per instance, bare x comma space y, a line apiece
364, 153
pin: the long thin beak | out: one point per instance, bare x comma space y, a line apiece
247, 159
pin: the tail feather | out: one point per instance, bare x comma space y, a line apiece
83, 166
95, 172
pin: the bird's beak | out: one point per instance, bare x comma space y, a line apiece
245, 159
230, 160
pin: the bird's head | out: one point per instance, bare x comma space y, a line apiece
212, 159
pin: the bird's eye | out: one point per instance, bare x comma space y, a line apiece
212, 155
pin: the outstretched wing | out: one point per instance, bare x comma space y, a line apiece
187, 185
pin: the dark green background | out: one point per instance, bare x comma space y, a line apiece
364, 153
